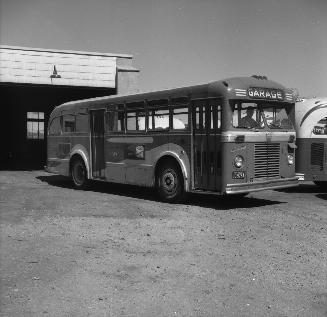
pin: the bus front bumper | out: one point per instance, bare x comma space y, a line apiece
261, 185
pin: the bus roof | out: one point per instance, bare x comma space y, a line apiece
211, 89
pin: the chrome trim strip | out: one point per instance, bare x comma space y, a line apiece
279, 183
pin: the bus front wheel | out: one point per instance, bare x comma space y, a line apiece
79, 174
169, 182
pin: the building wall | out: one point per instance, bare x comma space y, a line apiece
37, 80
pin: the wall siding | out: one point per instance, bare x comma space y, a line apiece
36, 67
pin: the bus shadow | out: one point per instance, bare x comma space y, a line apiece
307, 188
322, 196
130, 191
102, 187
228, 202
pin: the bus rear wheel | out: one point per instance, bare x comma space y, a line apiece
169, 183
79, 174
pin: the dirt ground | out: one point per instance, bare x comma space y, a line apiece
115, 250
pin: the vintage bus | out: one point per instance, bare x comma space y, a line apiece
311, 129
232, 136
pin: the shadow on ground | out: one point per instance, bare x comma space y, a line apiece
309, 188
322, 196
201, 200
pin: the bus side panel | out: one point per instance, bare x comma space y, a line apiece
311, 158
58, 154
80, 144
131, 159
181, 145
115, 160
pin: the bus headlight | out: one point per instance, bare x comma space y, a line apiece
238, 161
290, 159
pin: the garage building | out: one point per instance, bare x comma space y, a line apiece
33, 81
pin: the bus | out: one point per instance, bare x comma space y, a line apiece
311, 129
232, 136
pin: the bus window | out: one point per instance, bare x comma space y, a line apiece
121, 118
55, 127
219, 117
200, 122
82, 122
69, 123
180, 118
320, 127
215, 115
277, 118
247, 115
158, 115
135, 118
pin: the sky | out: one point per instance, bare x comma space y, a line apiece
177, 43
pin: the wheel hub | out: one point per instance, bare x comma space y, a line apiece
169, 181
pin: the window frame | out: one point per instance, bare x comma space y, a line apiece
37, 120
157, 105
63, 123
136, 107
60, 123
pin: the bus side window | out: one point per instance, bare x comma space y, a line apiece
55, 126
215, 115
158, 115
69, 123
180, 113
200, 119
219, 117
120, 118
180, 118
82, 122
135, 117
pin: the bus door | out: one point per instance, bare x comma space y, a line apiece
97, 143
206, 160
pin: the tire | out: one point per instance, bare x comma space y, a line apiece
322, 185
169, 183
79, 174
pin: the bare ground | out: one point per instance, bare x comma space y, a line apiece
116, 251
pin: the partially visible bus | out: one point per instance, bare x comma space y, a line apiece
232, 136
311, 129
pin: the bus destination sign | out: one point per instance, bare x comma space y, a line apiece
265, 93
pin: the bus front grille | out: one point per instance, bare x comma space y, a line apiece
266, 160
317, 156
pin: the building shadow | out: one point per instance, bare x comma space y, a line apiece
130, 191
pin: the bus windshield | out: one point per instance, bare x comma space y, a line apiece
251, 115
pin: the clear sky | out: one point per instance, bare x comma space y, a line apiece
182, 42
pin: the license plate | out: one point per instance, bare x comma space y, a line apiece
238, 175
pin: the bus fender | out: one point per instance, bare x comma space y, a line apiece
181, 165
82, 152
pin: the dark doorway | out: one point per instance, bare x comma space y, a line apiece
25, 111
